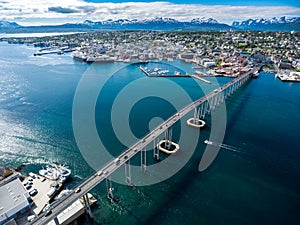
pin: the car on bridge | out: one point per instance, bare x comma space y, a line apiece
117, 161
48, 213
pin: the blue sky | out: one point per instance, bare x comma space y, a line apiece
44, 12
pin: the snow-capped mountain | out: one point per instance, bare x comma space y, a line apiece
282, 24
204, 20
6, 24
201, 24
158, 20
158, 23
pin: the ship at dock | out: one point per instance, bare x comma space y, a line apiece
100, 59
79, 56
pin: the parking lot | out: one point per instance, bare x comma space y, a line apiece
39, 187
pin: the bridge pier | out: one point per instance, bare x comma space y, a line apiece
196, 121
226, 90
211, 104
214, 101
110, 189
202, 111
166, 145
210, 101
218, 99
87, 205
128, 174
144, 159
231, 89
206, 107
56, 221
220, 96
155, 151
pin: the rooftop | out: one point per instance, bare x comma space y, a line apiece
13, 198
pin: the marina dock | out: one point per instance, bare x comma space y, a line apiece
53, 51
196, 76
202, 79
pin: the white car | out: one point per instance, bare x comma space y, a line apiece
30, 218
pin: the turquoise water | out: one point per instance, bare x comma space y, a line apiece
257, 185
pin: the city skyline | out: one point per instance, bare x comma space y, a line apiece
76, 11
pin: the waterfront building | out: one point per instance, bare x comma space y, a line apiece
14, 199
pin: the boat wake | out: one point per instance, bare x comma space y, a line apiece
81, 178
224, 146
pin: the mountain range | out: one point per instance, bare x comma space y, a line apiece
202, 24
273, 24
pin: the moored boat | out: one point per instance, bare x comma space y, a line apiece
55, 172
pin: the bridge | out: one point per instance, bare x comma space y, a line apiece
201, 107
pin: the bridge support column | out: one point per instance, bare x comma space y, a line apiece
201, 111
222, 96
109, 189
210, 105
168, 137
236, 86
166, 145
214, 99
196, 121
87, 205
218, 98
231, 89
155, 151
206, 107
56, 221
128, 174
226, 93
144, 159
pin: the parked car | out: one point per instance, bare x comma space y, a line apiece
33, 192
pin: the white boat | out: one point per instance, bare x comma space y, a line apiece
255, 74
55, 172
208, 142
79, 56
100, 59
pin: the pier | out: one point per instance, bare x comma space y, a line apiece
202, 107
53, 51
196, 76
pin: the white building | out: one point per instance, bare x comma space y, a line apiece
13, 199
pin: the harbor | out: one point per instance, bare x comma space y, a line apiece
242, 123
38, 193
289, 76
59, 51
158, 72
41, 190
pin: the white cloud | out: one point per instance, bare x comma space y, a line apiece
28, 12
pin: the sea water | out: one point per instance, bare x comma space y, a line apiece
259, 185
